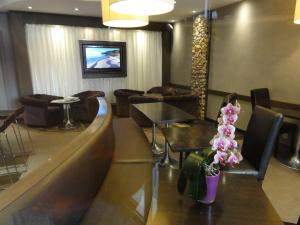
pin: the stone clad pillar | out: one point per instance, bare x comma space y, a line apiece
200, 53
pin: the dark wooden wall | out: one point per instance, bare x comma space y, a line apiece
17, 21
7, 65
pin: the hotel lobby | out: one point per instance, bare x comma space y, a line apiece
154, 112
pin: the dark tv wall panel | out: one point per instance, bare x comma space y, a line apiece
18, 20
8, 64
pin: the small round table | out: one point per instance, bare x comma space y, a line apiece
66, 102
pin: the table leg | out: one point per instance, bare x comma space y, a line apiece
167, 160
68, 123
157, 150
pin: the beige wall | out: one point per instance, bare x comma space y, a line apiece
255, 44
181, 57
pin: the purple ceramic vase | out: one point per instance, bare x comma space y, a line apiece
212, 188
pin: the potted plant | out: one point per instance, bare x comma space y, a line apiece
201, 170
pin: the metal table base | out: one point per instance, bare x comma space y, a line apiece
290, 162
156, 149
167, 160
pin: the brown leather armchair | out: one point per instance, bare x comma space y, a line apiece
86, 109
39, 111
122, 96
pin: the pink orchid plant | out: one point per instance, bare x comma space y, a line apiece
207, 162
223, 144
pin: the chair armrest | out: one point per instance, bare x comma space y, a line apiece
34, 101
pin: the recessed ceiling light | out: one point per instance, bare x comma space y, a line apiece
29, 7
76, 9
194, 11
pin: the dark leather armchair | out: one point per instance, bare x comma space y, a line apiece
261, 97
122, 96
39, 111
259, 141
86, 109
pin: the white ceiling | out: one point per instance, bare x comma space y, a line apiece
183, 8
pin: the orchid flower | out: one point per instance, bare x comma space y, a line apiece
227, 131
229, 119
223, 142
220, 157
220, 144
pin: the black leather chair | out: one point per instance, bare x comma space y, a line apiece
261, 97
259, 141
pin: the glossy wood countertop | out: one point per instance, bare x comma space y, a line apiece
162, 113
240, 201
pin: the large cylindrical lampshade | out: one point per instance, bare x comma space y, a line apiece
113, 19
142, 7
297, 13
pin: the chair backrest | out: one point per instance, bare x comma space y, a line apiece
260, 97
231, 98
260, 138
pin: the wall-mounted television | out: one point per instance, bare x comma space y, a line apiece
102, 59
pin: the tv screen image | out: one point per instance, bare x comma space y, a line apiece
102, 57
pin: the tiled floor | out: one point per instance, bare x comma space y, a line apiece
281, 185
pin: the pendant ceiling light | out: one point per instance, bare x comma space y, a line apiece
297, 13
142, 7
113, 19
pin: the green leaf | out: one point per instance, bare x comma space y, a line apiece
182, 182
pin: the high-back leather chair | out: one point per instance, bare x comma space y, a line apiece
259, 141
261, 97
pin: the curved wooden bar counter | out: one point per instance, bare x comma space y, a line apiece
61, 190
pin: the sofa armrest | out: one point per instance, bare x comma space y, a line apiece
185, 98
127, 92
144, 99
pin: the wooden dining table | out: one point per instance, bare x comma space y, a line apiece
161, 113
188, 139
240, 201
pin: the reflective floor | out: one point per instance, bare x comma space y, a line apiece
281, 184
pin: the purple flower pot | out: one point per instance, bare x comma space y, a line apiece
212, 188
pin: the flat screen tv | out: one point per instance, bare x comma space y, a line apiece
102, 59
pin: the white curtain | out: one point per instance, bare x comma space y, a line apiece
56, 65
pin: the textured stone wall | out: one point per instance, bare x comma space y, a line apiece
200, 61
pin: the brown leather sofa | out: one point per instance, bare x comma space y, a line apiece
122, 96
183, 99
87, 108
39, 111
81, 183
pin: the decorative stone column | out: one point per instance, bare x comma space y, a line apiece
200, 53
